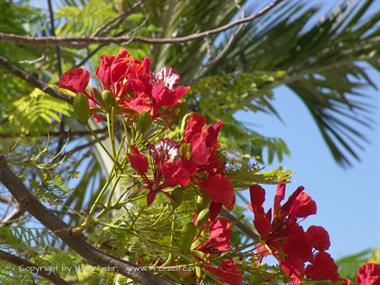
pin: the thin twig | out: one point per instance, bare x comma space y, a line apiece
34, 268
5, 200
52, 31
81, 42
59, 70
78, 148
224, 50
241, 226
108, 26
13, 216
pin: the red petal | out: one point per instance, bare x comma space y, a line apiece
75, 80
323, 268
200, 153
194, 125
262, 225
220, 237
139, 162
257, 195
303, 206
294, 269
215, 209
212, 134
228, 272
319, 237
297, 244
103, 72
150, 197
280, 194
219, 189
176, 173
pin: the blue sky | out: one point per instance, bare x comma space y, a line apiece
348, 199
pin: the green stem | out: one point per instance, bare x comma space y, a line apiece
99, 141
170, 256
109, 180
111, 130
108, 205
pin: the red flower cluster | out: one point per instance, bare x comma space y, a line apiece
133, 86
202, 166
283, 237
368, 274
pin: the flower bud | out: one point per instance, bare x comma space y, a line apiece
81, 107
98, 96
203, 217
108, 97
202, 203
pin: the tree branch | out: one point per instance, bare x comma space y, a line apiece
81, 42
39, 270
29, 78
63, 134
76, 242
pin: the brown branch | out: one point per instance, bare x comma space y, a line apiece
29, 78
75, 241
39, 270
81, 42
55, 134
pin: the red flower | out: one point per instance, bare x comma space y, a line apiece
169, 169
294, 269
368, 274
297, 244
139, 162
165, 91
130, 81
219, 189
75, 80
286, 240
220, 237
323, 268
319, 237
178, 172
228, 272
